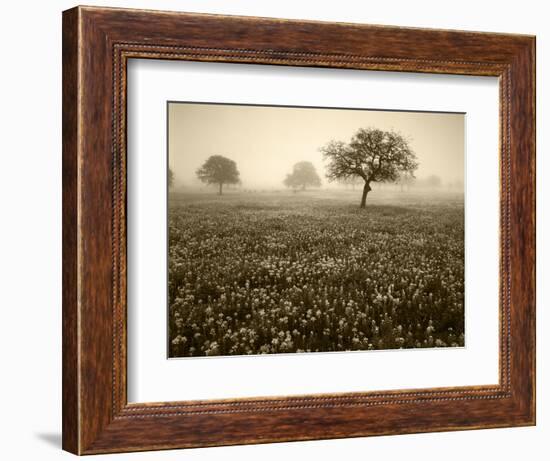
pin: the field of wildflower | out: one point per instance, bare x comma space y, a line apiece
264, 273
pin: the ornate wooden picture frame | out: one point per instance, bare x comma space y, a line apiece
97, 44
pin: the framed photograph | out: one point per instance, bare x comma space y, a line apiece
281, 230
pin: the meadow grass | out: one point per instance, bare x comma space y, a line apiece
269, 272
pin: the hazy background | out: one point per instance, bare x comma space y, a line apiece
266, 141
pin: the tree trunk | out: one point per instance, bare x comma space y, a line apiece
220, 190
366, 190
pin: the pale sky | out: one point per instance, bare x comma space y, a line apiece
266, 141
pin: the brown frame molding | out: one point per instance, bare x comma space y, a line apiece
97, 43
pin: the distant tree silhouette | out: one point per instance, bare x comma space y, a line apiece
373, 155
170, 177
351, 181
303, 175
433, 181
405, 180
219, 170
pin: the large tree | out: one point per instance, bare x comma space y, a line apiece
219, 170
373, 155
303, 175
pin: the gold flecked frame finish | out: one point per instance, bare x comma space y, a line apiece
97, 44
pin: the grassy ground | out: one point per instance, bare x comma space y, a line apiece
269, 272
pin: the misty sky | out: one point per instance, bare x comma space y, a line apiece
267, 141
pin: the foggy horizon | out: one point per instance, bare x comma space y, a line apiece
266, 141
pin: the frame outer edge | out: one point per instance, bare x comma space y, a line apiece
533, 180
91, 422
522, 228
70, 234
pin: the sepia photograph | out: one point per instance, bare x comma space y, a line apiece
313, 229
